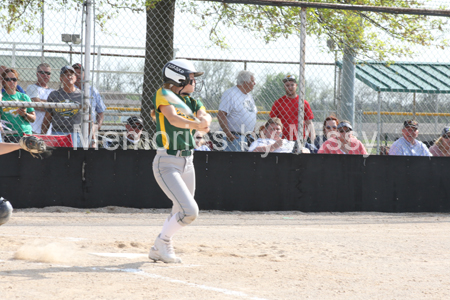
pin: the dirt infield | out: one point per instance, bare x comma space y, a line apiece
62, 253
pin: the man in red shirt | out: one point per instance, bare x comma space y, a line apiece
286, 109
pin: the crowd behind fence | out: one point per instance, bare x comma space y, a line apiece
118, 65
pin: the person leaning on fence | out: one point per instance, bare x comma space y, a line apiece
286, 109
39, 92
64, 120
408, 144
98, 106
237, 113
343, 141
271, 140
442, 145
18, 118
131, 139
329, 126
18, 87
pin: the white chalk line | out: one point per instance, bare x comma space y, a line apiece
156, 276
200, 286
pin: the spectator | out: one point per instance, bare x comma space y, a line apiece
39, 92
200, 143
329, 126
18, 118
64, 120
408, 145
237, 113
18, 87
343, 141
286, 109
271, 140
442, 145
98, 106
129, 140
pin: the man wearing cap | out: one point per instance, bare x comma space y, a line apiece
237, 113
39, 92
442, 145
64, 120
408, 144
98, 106
286, 109
131, 139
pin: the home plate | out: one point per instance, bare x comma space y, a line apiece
121, 255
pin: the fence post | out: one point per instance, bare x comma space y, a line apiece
379, 124
99, 55
301, 80
87, 74
13, 56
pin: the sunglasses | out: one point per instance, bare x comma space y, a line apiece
446, 137
198, 137
137, 126
329, 127
342, 130
10, 79
45, 73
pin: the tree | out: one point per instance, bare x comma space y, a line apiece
369, 34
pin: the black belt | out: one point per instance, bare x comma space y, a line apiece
180, 152
236, 133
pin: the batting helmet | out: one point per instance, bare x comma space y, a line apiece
177, 72
5, 210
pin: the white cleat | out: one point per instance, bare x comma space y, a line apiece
163, 250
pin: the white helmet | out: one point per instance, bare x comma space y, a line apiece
177, 72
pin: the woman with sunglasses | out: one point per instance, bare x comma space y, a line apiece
19, 118
329, 126
442, 145
343, 141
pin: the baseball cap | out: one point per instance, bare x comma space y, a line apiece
78, 66
345, 124
411, 123
290, 78
134, 121
446, 131
66, 68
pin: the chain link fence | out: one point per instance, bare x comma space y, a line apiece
130, 44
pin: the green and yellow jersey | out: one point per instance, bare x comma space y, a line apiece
169, 136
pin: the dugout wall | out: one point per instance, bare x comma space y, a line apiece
231, 181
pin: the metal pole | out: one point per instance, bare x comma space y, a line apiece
13, 57
99, 55
301, 80
70, 47
379, 123
347, 109
87, 74
414, 106
42, 33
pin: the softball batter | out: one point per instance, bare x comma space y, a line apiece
173, 164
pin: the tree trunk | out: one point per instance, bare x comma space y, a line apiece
159, 50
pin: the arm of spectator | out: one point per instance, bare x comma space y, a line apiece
223, 122
268, 148
310, 129
46, 122
203, 115
100, 118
